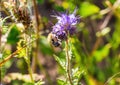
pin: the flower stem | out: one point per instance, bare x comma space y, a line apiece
68, 63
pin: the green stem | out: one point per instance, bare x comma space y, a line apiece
29, 70
0, 37
106, 83
27, 57
34, 59
68, 63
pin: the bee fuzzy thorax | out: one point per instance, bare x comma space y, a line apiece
55, 43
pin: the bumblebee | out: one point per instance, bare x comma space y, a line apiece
55, 43
53, 40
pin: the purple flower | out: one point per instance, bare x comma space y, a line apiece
65, 25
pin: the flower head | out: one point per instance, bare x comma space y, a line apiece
65, 25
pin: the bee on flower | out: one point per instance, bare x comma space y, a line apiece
66, 25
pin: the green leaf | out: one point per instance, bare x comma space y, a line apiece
88, 9
77, 74
61, 82
115, 41
13, 36
61, 61
76, 48
100, 54
44, 46
59, 8
21, 53
112, 1
69, 5
40, 1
